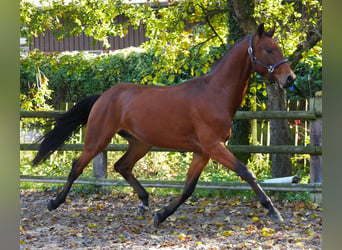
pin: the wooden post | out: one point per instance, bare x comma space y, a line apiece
100, 165
316, 140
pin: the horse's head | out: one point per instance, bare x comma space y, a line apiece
268, 59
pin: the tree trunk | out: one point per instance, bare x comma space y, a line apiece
241, 129
244, 11
279, 130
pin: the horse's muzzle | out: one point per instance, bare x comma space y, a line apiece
289, 81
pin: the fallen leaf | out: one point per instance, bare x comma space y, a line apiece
310, 231
227, 233
92, 225
181, 236
266, 234
75, 215
199, 210
300, 244
205, 225
227, 219
314, 216
172, 218
255, 219
219, 223
266, 229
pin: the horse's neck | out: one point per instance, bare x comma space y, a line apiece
231, 74
234, 68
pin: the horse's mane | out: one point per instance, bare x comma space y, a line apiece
226, 54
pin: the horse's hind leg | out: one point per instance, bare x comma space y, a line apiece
124, 166
76, 170
97, 138
196, 167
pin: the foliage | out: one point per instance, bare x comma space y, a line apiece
68, 76
38, 93
93, 18
309, 75
73, 75
183, 34
185, 37
293, 19
78, 74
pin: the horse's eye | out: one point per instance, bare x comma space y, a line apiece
268, 50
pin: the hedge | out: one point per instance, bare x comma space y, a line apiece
74, 75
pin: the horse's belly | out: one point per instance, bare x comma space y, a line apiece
163, 131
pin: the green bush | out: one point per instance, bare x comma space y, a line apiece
74, 75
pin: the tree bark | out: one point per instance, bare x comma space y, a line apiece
279, 132
244, 11
241, 129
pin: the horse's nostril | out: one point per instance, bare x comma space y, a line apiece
291, 78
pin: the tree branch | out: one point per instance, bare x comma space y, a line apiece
210, 25
313, 37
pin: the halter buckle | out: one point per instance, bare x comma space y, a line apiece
270, 69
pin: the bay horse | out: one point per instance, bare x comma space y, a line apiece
194, 116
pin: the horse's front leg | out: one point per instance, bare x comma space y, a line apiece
197, 165
220, 153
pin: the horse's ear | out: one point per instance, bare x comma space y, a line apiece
261, 30
270, 33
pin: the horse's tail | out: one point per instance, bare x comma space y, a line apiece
64, 125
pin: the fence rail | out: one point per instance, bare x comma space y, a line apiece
314, 115
240, 115
286, 187
285, 149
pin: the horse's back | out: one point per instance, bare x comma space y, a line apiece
159, 116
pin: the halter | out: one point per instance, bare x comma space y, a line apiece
270, 68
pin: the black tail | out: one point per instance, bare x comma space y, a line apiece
64, 125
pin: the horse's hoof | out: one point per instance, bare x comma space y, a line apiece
50, 205
156, 221
142, 209
275, 216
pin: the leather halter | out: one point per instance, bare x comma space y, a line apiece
270, 68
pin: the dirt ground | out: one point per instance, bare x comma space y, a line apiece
111, 221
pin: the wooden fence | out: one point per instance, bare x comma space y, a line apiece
314, 116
